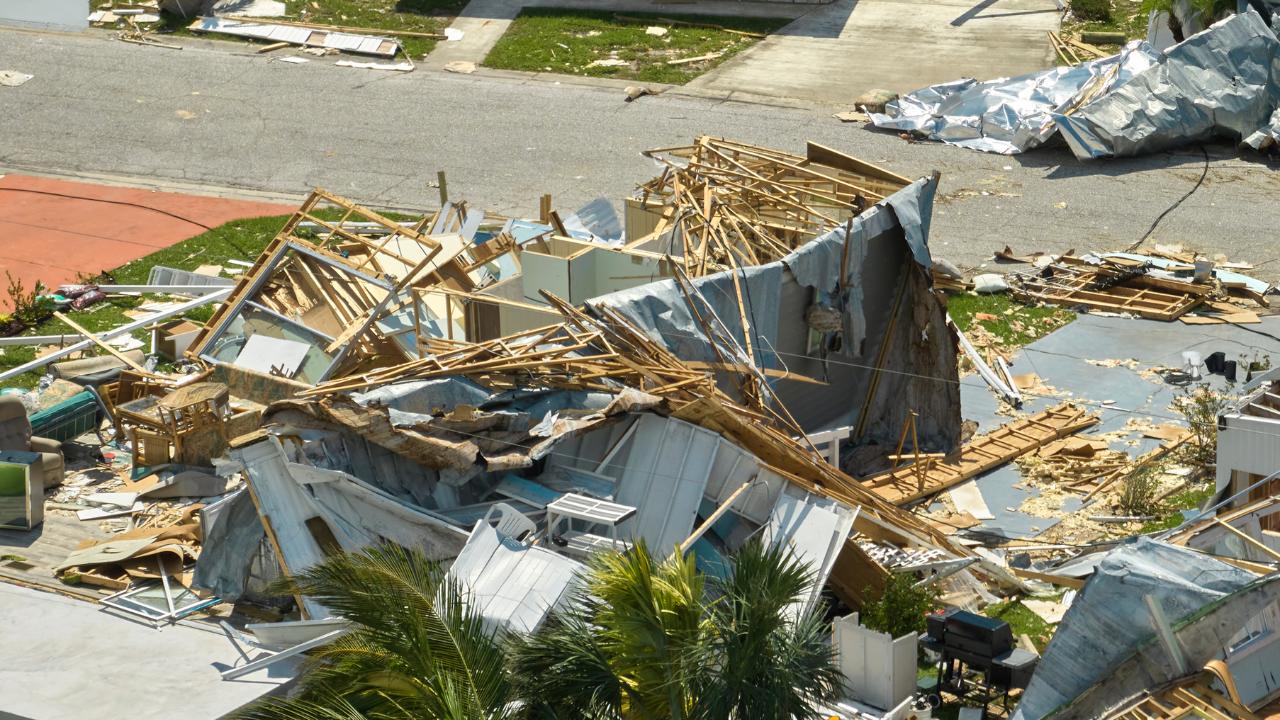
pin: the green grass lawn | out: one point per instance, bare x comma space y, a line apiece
237, 240
1024, 325
1125, 18
425, 16
569, 41
1185, 500
1023, 622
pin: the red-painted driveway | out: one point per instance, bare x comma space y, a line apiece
52, 229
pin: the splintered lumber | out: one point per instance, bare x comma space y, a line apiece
581, 353
1188, 697
733, 205
335, 278
118, 355
1108, 288
1146, 459
902, 485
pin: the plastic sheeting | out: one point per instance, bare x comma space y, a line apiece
661, 310
422, 397
1222, 81
1009, 116
1108, 618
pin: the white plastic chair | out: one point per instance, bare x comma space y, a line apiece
512, 523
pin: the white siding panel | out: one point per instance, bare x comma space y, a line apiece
814, 528
513, 586
1248, 444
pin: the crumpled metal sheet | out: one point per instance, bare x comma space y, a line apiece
1108, 619
1010, 115
1222, 81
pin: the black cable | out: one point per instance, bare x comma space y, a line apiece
1174, 206
113, 202
229, 241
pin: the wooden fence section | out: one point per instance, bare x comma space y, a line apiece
931, 475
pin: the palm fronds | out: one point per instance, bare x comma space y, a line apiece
416, 649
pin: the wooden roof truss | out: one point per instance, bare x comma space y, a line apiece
735, 204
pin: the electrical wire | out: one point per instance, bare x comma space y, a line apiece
227, 240
112, 202
1174, 206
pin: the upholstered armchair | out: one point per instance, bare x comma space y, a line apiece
15, 434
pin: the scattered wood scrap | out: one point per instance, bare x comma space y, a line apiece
1186, 698
668, 21
1093, 485
1108, 287
902, 485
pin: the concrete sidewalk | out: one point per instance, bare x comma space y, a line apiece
486, 21
838, 51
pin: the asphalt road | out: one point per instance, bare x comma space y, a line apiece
218, 115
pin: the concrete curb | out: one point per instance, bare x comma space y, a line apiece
141, 182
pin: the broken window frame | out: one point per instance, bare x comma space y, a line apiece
125, 602
267, 274
1251, 637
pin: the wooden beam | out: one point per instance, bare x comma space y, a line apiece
720, 511
1245, 537
1073, 583
119, 356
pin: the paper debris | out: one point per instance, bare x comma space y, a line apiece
402, 67
634, 92
657, 31
461, 66
292, 59
453, 34
610, 62
13, 78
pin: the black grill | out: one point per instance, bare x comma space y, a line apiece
980, 643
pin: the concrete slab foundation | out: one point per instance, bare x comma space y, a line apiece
1061, 360
68, 659
52, 229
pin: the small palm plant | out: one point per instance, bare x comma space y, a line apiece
1169, 7
415, 650
660, 640
1209, 11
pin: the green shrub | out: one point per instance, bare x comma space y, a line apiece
902, 607
1201, 407
29, 307
1138, 491
1092, 10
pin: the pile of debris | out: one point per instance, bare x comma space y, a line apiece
513, 396
1157, 286
729, 205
